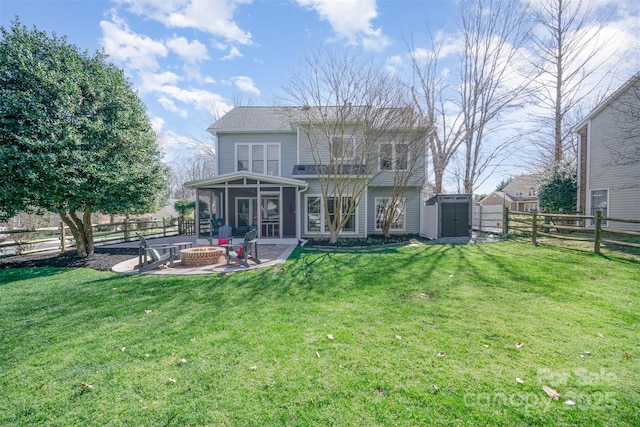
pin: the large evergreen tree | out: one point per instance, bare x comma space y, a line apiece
74, 137
559, 187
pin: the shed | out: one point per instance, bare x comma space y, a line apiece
447, 215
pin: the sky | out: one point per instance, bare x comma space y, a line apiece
193, 60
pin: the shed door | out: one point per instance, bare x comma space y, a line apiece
455, 219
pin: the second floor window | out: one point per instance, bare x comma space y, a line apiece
258, 158
341, 147
394, 156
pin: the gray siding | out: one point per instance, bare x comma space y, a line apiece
606, 171
412, 213
228, 141
320, 144
315, 190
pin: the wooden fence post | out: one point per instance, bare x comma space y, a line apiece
63, 239
534, 228
596, 232
505, 221
126, 228
480, 218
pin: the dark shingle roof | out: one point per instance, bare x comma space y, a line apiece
254, 119
304, 170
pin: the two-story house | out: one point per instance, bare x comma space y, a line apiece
272, 175
609, 157
520, 194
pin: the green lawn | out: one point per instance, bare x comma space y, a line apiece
422, 335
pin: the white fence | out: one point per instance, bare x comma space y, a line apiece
488, 218
429, 221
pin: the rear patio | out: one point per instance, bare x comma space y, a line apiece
271, 253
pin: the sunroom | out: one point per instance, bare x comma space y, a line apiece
246, 201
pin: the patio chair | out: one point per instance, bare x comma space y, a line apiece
224, 236
216, 223
149, 256
247, 250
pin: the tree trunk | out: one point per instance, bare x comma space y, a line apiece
81, 230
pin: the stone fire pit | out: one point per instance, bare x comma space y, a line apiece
200, 256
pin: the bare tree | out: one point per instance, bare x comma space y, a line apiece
196, 164
429, 89
467, 109
347, 106
492, 32
569, 51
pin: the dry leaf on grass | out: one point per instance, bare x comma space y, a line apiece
441, 354
398, 337
554, 394
519, 344
171, 381
330, 336
86, 386
570, 403
253, 368
183, 361
519, 380
147, 311
123, 348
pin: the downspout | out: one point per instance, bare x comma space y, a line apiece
299, 211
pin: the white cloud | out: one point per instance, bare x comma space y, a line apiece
157, 123
169, 105
192, 52
138, 51
351, 21
213, 17
234, 52
245, 84
151, 82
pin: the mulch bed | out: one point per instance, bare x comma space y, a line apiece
360, 242
103, 259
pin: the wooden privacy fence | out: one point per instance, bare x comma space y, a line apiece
587, 228
14, 242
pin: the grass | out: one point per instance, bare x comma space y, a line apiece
422, 335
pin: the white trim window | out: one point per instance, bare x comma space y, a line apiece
315, 220
393, 156
258, 158
341, 147
399, 213
599, 201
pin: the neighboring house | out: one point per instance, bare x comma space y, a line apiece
269, 179
520, 194
609, 157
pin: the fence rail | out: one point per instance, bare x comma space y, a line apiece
576, 227
26, 241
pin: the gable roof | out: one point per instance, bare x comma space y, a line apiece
604, 104
242, 175
285, 119
254, 119
522, 183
